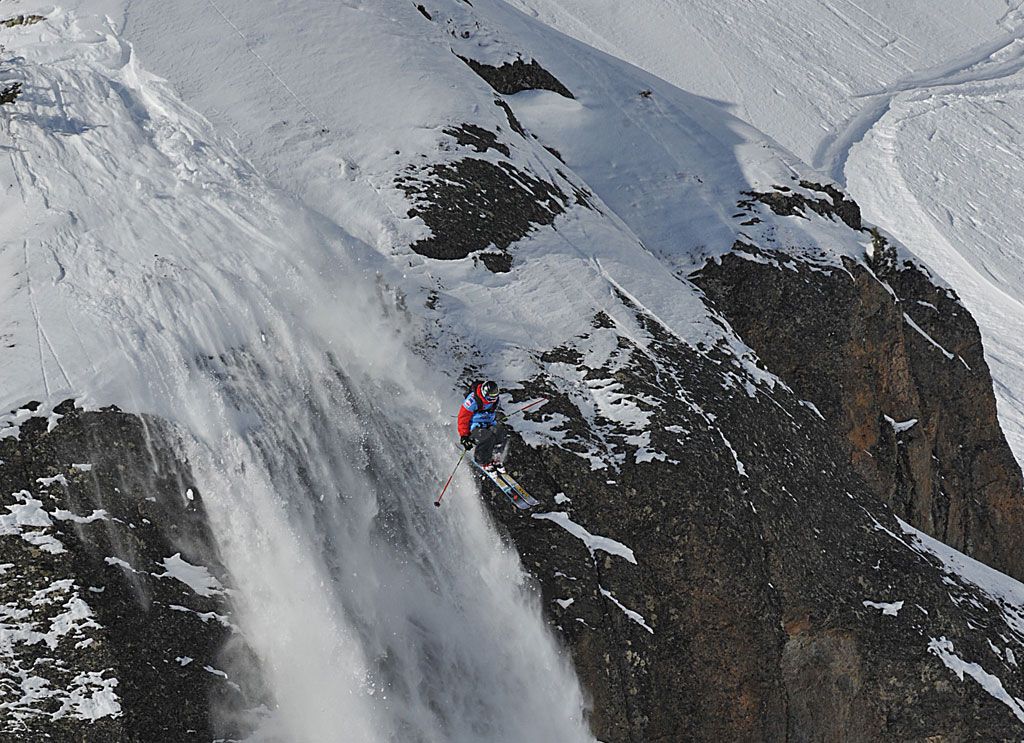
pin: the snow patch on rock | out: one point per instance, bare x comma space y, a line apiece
635, 616
888, 609
943, 648
196, 577
593, 542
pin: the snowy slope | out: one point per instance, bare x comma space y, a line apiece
346, 175
910, 104
202, 221
799, 71
148, 264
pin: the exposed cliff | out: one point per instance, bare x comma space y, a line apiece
114, 617
895, 364
756, 587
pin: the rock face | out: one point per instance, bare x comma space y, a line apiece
483, 206
516, 76
756, 587
726, 560
895, 365
473, 203
113, 610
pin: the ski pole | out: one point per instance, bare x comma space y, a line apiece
525, 407
461, 457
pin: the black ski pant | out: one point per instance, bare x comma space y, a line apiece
490, 444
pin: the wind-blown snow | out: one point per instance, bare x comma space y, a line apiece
151, 264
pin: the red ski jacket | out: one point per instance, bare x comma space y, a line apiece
475, 411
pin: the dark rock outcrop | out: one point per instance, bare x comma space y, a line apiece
895, 365
781, 597
99, 517
9, 94
514, 77
22, 20
785, 202
478, 138
472, 203
513, 122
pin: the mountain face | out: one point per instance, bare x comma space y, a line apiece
768, 567
114, 618
896, 362
258, 251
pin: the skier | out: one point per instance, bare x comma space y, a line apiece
479, 426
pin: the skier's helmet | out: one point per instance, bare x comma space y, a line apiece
489, 390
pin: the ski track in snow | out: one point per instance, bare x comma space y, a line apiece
796, 69
924, 172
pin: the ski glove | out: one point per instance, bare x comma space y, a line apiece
467, 443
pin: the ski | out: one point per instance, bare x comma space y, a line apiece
512, 489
